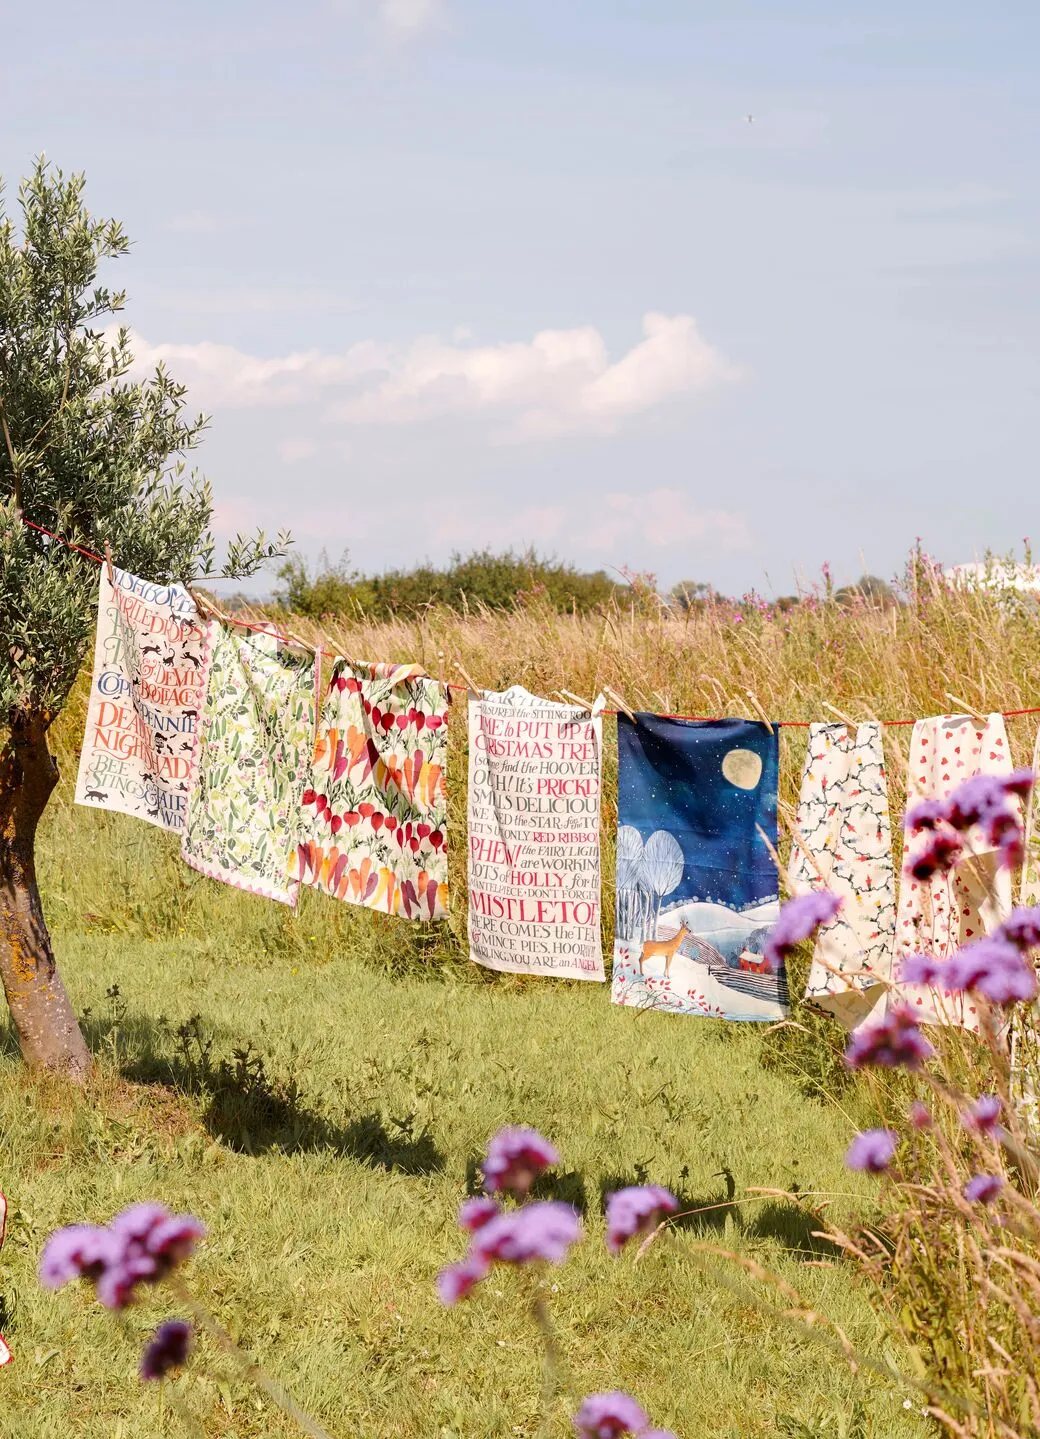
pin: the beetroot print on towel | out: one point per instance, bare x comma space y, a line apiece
939, 915
375, 806
255, 743
145, 696
535, 771
843, 842
696, 883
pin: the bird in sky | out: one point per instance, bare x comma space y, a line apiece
750, 119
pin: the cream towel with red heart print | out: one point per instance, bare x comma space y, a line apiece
5, 1353
939, 915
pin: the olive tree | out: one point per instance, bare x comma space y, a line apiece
92, 454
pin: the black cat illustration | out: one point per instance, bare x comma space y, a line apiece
97, 794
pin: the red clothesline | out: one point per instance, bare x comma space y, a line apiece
331, 654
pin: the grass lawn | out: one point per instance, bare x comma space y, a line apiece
319, 1089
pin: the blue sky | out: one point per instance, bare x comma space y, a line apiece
449, 273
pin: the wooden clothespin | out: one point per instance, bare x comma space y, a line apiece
967, 709
475, 692
843, 717
577, 699
759, 710
613, 694
108, 565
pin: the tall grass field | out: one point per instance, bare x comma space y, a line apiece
319, 1087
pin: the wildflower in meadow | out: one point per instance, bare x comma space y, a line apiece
167, 1349
937, 856
923, 969
610, 1416
1022, 928
476, 1212
872, 1151
925, 815
983, 1188
542, 1231
984, 1114
515, 1159
891, 1042
920, 1115
994, 968
798, 919
140, 1246
637, 1210
458, 1280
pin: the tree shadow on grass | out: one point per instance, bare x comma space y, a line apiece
248, 1109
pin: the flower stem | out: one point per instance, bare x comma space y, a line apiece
250, 1368
552, 1364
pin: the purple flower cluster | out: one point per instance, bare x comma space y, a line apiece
515, 1159
891, 1042
983, 1188
167, 1349
872, 1151
798, 919
140, 1246
535, 1233
994, 967
984, 1115
986, 801
1022, 928
613, 1415
637, 1210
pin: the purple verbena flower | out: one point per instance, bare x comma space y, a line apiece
1020, 782
923, 969
455, 1282
891, 1042
658, 1434
937, 855
983, 1188
79, 1251
798, 919
476, 1212
542, 1231
872, 1150
920, 1115
637, 1210
994, 968
516, 1158
976, 801
984, 1115
141, 1245
925, 815
1021, 928
167, 1349
609, 1416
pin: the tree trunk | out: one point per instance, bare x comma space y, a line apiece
43, 1018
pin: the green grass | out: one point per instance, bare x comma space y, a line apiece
328, 1159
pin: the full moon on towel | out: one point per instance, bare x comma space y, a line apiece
742, 767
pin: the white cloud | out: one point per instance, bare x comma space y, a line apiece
405, 18
664, 519
559, 382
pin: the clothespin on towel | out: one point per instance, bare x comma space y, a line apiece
613, 695
108, 565
475, 693
967, 709
843, 717
576, 699
759, 710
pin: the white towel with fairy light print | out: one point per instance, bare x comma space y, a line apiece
843, 842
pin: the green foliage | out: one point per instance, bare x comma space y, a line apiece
85, 451
481, 579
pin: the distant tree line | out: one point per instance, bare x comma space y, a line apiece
502, 581
466, 582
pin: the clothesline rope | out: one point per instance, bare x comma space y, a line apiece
258, 628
